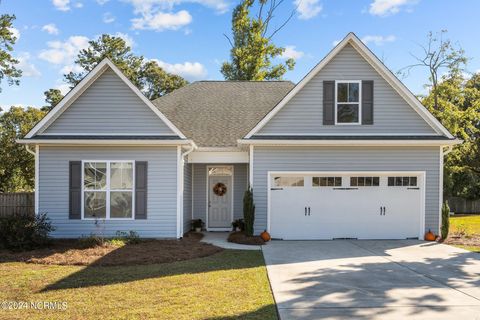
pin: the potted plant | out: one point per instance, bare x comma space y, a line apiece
197, 225
238, 225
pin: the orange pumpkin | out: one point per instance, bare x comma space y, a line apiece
265, 236
430, 236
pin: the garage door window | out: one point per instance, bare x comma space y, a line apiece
364, 181
289, 181
327, 181
402, 181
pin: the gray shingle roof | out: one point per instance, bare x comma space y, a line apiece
218, 113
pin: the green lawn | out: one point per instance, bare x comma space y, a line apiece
229, 285
470, 227
471, 224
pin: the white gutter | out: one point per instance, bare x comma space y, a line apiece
181, 188
29, 151
447, 150
295, 142
90, 142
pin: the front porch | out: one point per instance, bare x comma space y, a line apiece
214, 193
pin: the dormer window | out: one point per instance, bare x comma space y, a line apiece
348, 102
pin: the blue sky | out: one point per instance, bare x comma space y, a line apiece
186, 36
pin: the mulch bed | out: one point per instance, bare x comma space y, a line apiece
463, 240
71, 252
241, 238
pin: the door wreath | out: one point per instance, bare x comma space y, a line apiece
219, 189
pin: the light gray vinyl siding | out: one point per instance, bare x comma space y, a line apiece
187, 197
240, 181
162, 190
108, 106
303, 113
200, 191
347, 159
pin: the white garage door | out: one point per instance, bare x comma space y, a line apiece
369, 205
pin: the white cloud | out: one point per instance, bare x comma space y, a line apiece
308, 9
63, 87
63, 53
28, 68
50, 28
62, 5
102, 2
71, 68
159, 15
78, 5
291, 53
108, 17
378, 40
162, 21
189, 70
128, 40
334, 43
388, 7
15, 32
153, 6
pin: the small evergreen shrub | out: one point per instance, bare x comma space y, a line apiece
445, 220
25, 232
121, 238
248, 211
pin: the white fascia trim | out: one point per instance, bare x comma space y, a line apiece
83, 85
219, 149
218, 157
377, 65
37, 178
366, 134
350, 142
179, 193
88, 142
250, 167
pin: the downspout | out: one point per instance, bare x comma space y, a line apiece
30, 151
447, 151
444, 152
192, 147
37, 173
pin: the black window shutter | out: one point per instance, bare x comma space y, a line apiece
367, 102
141, 174
328, 102
75, 192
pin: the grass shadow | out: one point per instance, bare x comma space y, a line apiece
97, 275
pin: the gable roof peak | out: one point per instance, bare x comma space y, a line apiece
378, 65
80, 88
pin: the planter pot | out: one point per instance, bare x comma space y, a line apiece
198, 229
238, 229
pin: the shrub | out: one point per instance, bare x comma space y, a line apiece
25, 232
445, 220
239, 223
121, 238
197, 223
93, 240
248, 211
130, 237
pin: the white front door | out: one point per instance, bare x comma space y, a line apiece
346, 205
220, 191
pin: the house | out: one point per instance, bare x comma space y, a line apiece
348, 152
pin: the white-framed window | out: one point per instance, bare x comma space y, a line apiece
364, 181
402, 181
348, 105
288, 181
326, 181
107, 189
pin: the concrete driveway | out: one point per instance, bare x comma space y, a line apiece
350, 279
